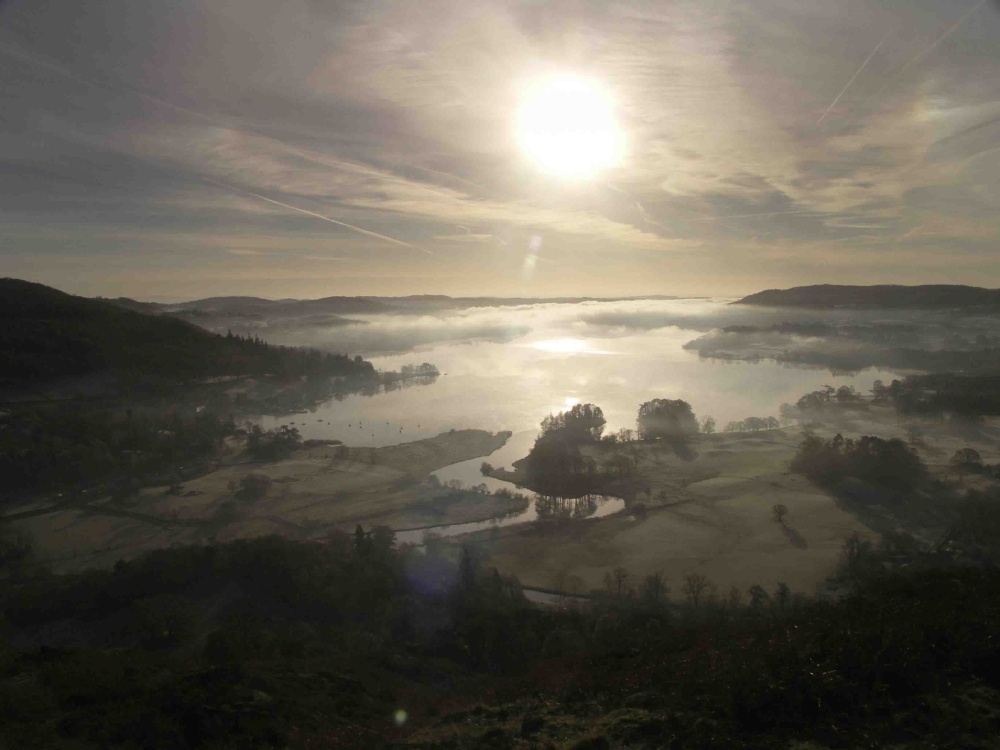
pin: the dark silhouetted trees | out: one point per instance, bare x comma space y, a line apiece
583, 423
967, 458
666, 419
272, 445
889, 465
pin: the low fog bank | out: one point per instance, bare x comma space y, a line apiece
918, 341
400, 332
838, 340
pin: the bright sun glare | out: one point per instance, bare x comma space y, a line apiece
566, 346
567, 126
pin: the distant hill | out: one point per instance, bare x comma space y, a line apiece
257, 306
443, 302
249, 307
48, 335
888, 296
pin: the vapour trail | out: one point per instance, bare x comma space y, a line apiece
770, 213
931, 47
856, 74
114, 88
951, 30
307, 212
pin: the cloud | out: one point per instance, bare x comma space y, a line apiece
398, 120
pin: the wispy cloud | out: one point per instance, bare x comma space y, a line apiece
383, 134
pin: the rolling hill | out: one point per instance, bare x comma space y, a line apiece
47, 335
888, 296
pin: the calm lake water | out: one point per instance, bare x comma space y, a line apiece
507, 368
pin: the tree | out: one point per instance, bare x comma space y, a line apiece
654, 588
617, 582
967, 458
780, 511
584, 423
468, 569
846, 394
272, 445
788, 413
708, 425
857, 555
667, 419
758, 596
771, 423
889, 464
555, 466
696, 586
782, 595
254, 486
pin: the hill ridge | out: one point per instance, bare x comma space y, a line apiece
890, 296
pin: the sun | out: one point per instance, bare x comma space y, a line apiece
567, 127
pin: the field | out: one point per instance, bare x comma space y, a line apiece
316, 490
713, 515
710, 514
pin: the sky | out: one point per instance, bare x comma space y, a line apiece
176, 150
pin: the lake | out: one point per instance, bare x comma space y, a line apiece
507, 368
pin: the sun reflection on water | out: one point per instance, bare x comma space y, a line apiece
566, 346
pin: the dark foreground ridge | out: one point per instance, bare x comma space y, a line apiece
926, 297
357, 643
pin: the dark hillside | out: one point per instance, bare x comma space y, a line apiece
890, 296
47, 335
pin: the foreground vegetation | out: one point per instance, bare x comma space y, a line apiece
355, 643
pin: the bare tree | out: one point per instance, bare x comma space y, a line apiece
654, 588
619, 578
696, 587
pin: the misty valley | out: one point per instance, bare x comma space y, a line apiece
509, 374
486, 487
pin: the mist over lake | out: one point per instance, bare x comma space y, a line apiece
505, 368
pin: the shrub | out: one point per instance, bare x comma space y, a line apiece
254, 487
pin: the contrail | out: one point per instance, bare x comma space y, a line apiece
863, 66
213, 120
951, 30
770, 213
110, 87
931, 47
319, 216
